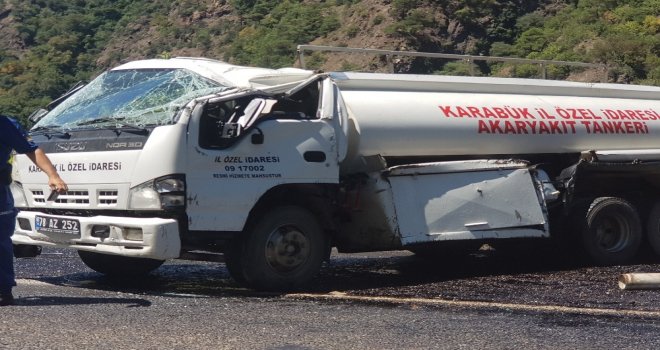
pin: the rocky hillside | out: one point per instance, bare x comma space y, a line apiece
47, 45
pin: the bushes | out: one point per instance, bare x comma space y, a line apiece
459, 68
61, 35
619, 33
271, 42
65, 38
414, 22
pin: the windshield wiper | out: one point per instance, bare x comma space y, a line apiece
50, 130
79, 85
117, 121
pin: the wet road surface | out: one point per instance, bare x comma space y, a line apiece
484, 276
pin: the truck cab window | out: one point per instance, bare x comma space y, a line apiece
244, 113
303, 103
213, 119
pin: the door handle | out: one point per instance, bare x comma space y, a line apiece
314, 156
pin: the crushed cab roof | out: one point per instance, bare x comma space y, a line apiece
224, 73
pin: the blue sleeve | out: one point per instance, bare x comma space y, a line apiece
14, 137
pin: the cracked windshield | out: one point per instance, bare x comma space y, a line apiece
130, 97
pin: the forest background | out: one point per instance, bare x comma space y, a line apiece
46, 46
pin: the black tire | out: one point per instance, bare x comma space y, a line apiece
284, 250
653, 229
611, 231
233, 260
115, 265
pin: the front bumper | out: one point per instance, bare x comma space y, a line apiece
160, 237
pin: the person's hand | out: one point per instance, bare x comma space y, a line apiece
56, 183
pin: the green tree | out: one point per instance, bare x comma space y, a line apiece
272, 41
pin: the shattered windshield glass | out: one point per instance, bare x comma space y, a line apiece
138, 97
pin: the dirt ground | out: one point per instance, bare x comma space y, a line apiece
531, 276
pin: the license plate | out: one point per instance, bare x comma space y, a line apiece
52, 224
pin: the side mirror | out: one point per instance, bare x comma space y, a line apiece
258, 139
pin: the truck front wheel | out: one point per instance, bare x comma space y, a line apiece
611, 231
283, 250
115, 265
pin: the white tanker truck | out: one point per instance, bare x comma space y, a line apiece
268, 169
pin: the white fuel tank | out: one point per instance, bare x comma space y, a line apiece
420, 115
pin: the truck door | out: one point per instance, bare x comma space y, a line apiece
243, 145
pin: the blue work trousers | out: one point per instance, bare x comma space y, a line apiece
7, 277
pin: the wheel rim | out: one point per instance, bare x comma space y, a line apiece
613, 233
287, 248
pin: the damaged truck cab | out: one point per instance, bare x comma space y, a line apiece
178, 159
269, 169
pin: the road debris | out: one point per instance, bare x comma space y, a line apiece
639, 281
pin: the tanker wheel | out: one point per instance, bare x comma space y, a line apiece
611, 231
653, 229
115, 265
284, 250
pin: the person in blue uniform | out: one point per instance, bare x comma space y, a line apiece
13, 137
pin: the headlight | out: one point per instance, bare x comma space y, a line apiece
168, 192
18, 194
144, 196
172, 192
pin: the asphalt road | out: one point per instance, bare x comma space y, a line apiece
362, 301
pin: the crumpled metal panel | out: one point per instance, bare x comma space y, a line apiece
478, 204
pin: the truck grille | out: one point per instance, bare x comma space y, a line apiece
105, 198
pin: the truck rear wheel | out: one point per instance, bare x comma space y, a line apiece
284, 250
115, 265
611, 231
653, 229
